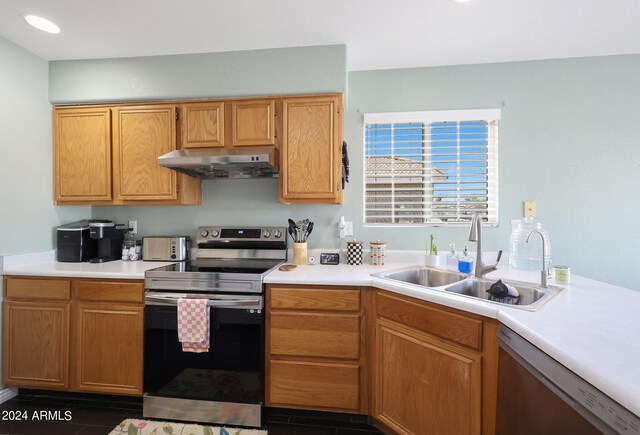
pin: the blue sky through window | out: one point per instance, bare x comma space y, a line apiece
458, 149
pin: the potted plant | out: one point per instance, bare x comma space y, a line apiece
432, 259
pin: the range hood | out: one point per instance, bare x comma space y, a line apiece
239, 162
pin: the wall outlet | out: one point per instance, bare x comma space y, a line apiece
344, 228
134, 227
530, 209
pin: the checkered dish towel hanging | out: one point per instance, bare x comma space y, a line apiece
193, 325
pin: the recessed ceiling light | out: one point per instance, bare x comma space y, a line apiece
461, 1
42, 24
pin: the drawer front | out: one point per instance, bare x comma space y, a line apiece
448, 325
313, 385
315, 298
109, 291
38, 289
321, 335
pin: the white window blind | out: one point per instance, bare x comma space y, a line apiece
431, 168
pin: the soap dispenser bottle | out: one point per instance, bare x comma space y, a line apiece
465, 263
452, 258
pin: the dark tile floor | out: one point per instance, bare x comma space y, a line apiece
78, 414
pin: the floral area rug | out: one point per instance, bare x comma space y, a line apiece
132, 426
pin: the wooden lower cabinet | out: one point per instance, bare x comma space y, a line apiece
424, 386
315, 349
35, 344
435, 368
80, 335
108, 348
415, 367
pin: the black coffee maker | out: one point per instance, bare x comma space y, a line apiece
109, 237
74, 244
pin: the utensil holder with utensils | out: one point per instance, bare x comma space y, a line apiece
300, 253
300, 231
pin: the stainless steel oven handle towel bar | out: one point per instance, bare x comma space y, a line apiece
211, 302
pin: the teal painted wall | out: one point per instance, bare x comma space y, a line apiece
229, 74
27, 214
567, 140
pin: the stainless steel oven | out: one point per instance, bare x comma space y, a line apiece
224, 385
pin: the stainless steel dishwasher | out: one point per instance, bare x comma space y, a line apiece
538, 395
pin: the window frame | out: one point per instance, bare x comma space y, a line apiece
428, 118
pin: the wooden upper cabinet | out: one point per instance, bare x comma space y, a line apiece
140, 135
202, 125
311, 162
253, 122
82, 154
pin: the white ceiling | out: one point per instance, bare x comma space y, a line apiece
379, 34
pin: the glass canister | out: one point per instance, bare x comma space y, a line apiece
354, 252
525, 255
377, 249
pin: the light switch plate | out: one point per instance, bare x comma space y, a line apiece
346, 230
530, 209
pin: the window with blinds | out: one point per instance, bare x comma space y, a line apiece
431, 168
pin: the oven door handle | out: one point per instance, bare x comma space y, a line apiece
168, 300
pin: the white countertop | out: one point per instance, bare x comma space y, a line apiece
592, 328
44, 264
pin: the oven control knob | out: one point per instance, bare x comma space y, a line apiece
214, 233
266, 234
277, 234
204, 233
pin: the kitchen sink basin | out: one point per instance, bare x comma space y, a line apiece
531, 297
423, 276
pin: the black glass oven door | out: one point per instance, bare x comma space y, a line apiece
231, 371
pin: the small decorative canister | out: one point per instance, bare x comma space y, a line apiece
377, 249
354, 252
563, 275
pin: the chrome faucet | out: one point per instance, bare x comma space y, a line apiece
475, 235
545, 247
